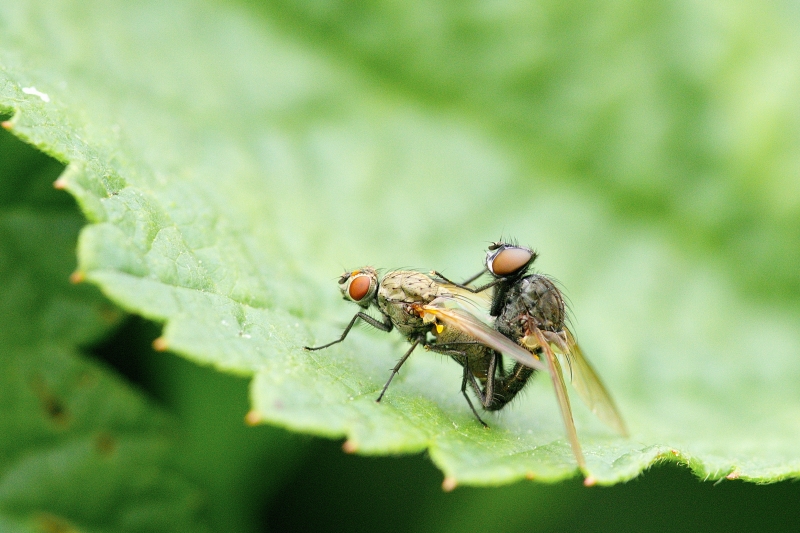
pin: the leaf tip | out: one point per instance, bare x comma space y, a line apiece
252, 418
449, 484
349, 446
589, 481
6, 125
77, 277
60, 184
733, 475
530, 476
160, 344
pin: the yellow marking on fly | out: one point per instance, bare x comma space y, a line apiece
530, 343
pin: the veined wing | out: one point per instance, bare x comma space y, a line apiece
472, 326
554, 367
479, 301
589, 387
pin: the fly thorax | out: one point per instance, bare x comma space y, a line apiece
410, 287
542, 301
398, 291
512, 319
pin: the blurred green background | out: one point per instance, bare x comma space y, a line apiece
642, 134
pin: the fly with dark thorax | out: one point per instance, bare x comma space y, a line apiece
529, 309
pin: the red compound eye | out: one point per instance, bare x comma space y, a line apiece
359, 287
509, 260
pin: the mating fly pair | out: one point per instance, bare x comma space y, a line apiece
528, 312
428, 312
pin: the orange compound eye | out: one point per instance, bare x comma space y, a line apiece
359, 287
509, 260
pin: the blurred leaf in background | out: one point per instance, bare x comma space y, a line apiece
78, 446
231, 158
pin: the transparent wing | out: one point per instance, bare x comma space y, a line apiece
589, 387
479, 302
554, 367
472, 326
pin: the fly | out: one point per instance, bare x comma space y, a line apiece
417, 305
529, 309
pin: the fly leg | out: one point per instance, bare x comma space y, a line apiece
500, 387
498, 297
485, 394
386, 325
501, 369
508, 386
469, 376
396, 368
466, 282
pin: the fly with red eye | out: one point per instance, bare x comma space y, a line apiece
529, 309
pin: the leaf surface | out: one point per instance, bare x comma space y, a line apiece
231, 162
79, 449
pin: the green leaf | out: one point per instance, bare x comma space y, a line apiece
231, 164
79, 450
